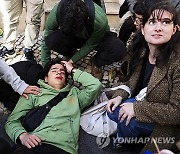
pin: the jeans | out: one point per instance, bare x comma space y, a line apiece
134, 128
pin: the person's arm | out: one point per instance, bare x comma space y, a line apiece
91, 85
162, 113
100, 28
8, 74
50, 25
13, 125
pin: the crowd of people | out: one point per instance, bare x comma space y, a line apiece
149, 106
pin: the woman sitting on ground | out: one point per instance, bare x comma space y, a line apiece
152, 75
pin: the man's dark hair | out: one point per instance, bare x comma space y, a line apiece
53, 62
139, 8
142, 6
73, 15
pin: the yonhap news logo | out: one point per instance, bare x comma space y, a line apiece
144, 140
102, 141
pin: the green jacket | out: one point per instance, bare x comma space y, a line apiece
100, 27
61, 125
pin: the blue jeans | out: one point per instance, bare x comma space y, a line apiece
134, 128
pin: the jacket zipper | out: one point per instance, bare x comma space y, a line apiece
72, 130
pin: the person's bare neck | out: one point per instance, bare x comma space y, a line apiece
152, 54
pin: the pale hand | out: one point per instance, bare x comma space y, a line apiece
126, 111
113, 103
29, 140
31, 90
70, 61
68, 65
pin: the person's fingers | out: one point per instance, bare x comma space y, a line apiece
128, 120
121, 112
123, 104
35, 88
70, 61
25, 96
37, 139
109, 104
30, 142
27, 145
35, 142
34, 92
123, 117
114, 107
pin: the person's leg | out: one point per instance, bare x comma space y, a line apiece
68, 44
11, 10
48, 149
5, 147
23, 150
34, 11
111, 49
134, 129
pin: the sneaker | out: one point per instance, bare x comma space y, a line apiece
29, 54
96, 71
5, 53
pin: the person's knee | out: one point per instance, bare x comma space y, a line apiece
111, 116
114, 116
129, 130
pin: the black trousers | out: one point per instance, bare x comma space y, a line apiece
5, 147
110, 49
43, 149
28, 71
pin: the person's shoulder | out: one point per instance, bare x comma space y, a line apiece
99, 12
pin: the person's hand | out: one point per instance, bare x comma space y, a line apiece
31, 90
127, 110
70, 61
68, 65
113, 103
29, 140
